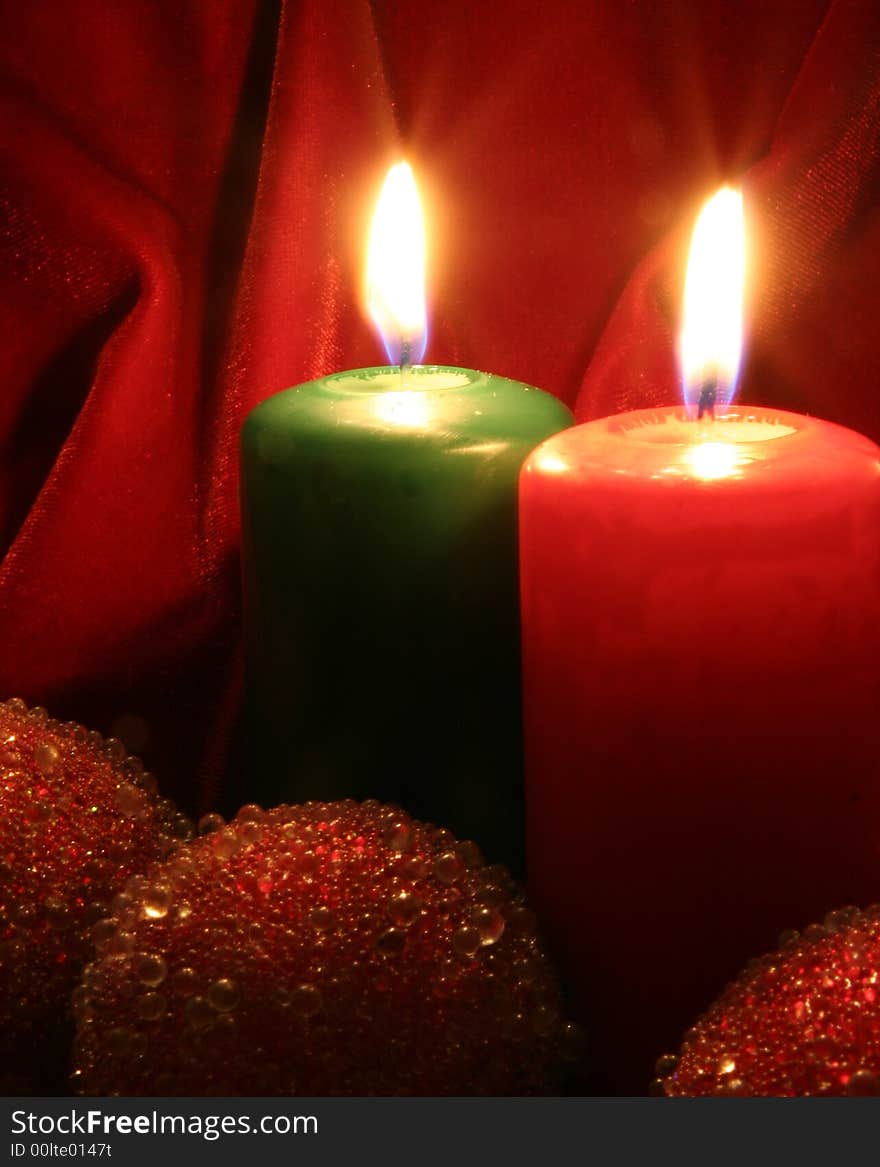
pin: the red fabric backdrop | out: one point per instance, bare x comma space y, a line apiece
185, 190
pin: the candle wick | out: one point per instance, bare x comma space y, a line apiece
706, 402
405, 360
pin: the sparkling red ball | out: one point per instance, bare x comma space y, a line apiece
77, 817
804, 1020
322, 949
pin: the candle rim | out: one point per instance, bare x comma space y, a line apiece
417, 378
335, 410
834, 451
648, 425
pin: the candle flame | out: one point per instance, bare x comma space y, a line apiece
711, 335
396, 269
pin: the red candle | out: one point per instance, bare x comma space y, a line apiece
701, 661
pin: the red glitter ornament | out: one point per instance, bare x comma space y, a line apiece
322, 949
804, 1020
77, 817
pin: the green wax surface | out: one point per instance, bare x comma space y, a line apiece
382, 640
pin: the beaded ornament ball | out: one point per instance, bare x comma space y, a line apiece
322, 949
77, 817
804, 1020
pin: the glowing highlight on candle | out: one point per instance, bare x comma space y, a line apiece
710, 460
551, 463
407, 409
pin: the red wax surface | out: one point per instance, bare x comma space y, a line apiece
701, 660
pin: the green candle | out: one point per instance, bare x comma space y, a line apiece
381, 593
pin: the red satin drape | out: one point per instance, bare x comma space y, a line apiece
185, 189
